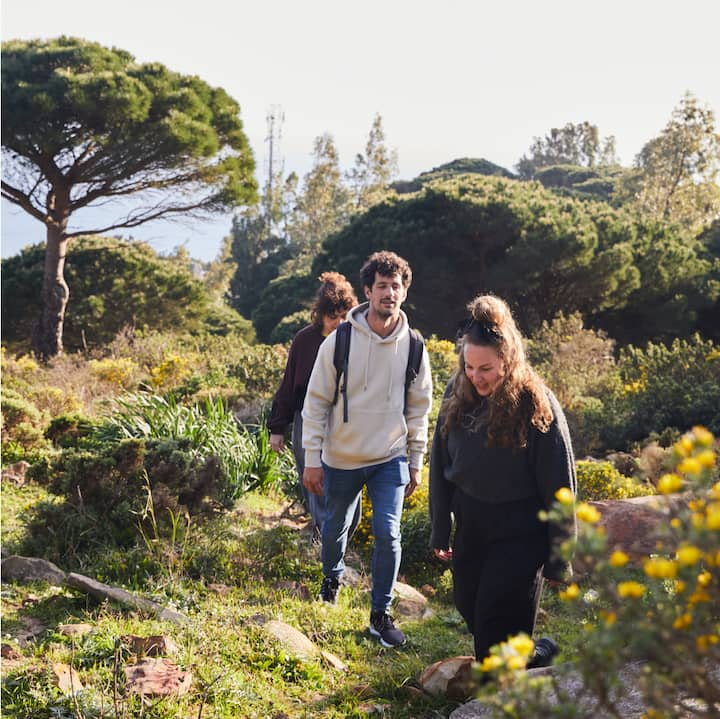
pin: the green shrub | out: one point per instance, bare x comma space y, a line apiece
663, 388
289, 326
600, 480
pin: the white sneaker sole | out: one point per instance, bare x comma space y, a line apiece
375, 633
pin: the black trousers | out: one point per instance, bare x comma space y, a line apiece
498, 554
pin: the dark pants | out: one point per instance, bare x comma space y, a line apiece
498, 554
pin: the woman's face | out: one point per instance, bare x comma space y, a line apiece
331, 322
483, 367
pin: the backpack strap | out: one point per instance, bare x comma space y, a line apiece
417, 345
340, 360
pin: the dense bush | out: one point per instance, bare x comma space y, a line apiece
114, 283
600, 480
289, 326
675, 386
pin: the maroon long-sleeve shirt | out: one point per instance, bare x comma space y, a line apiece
290, 396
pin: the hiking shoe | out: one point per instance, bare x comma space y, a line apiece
545, 651
329, 590
383, 627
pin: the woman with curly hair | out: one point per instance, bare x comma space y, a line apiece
500, 452
333, 300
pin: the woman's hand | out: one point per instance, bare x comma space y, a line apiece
444, 554
277, 442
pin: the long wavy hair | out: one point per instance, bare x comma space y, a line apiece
520, 398
334, 296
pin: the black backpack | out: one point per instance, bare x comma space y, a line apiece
342, 353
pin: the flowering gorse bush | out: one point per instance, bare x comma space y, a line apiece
600, 480
662, 610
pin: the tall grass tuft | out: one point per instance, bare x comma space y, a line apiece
209, 428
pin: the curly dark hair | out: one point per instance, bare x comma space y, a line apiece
519, 400
387, 264
334, 296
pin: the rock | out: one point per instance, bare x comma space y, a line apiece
10, 653
74, 630
32, 628
352, 578
152, 646
448, 674
410, 604
333, 661
31, 569
157, 677
15, 473
405, 591
632, 525
104, 591
294, 641
67, 679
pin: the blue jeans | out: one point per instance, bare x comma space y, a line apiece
386, 484
314, 503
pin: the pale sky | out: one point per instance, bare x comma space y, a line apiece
459, 78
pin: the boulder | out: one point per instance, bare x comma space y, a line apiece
448, 677
31, 569
297, 644
633, 525
410, 604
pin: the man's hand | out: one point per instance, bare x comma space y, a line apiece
277, 442
313, 480
444, 554
414, 481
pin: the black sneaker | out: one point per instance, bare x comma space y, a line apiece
545, 651
329, 590
382, 626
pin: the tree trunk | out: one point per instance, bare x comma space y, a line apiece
47, 338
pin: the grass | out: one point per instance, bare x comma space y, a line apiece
242, 568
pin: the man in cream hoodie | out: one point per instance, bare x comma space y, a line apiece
381, 445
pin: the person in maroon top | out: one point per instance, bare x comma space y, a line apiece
334, 298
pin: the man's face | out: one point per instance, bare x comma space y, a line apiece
386, 295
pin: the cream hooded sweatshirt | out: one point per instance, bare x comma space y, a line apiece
377, 429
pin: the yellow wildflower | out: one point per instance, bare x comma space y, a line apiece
702, 436
706, 458
698, 596
675, 523
633, 590
688, 555
689, 465
490, 663
516, 662
684, 446
572, 592
714, 492
680, 586
522, 644
697, 520
609, 617
587, 513
669, 483
704, 578
660, 568
564, 496
683, 621
713, 516
619, 559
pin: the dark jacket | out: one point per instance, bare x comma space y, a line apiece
499, 475
290, 396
